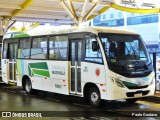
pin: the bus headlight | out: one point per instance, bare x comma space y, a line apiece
118, 82
152, 82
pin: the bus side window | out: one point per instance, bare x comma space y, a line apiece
24, 48
93, 56
5, 45
58, 47
39, 48
106, 45
113, 51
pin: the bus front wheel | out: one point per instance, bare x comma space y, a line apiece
131, 100
94, 97
28, 86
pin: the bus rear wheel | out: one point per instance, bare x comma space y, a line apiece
28, 86
131, 100
94, 97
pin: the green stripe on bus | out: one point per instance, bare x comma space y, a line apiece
39, 65
32, 73
41, 73
20, 35
19, 71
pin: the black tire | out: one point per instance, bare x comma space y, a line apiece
28, 86
132, 100
94, 97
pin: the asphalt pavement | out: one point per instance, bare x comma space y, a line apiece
54, 106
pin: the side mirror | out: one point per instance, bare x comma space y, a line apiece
94, 46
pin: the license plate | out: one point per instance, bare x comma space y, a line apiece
138, 95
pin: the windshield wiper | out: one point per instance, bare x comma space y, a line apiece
128, 52
134, 52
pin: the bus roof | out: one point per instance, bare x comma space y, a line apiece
107, 30
63, 30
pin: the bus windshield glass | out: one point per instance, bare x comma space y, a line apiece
123, 51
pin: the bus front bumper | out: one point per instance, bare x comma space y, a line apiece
117, 93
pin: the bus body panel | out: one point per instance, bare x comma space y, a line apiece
54, 83
45, 75
115, 92
58, 80
5, 74
94, 73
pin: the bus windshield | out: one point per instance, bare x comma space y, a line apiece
125, 51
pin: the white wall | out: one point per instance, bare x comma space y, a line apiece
149, 32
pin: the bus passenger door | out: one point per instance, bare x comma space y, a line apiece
0, 60
75, 57
12, 55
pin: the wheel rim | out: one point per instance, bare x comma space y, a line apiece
28, 86
94, 97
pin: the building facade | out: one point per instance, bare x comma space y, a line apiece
147, 25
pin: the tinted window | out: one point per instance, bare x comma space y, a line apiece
124, 49
142, 19
110, 23
24, 48
5, 45
58, 47
39, 48
94, 56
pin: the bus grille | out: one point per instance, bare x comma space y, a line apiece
131, 94
137, 87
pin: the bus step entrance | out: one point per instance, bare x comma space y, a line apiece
12, 82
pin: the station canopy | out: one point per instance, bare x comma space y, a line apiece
67, 11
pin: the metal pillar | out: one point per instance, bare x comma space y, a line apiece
1, 27
154, 62
154, 66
